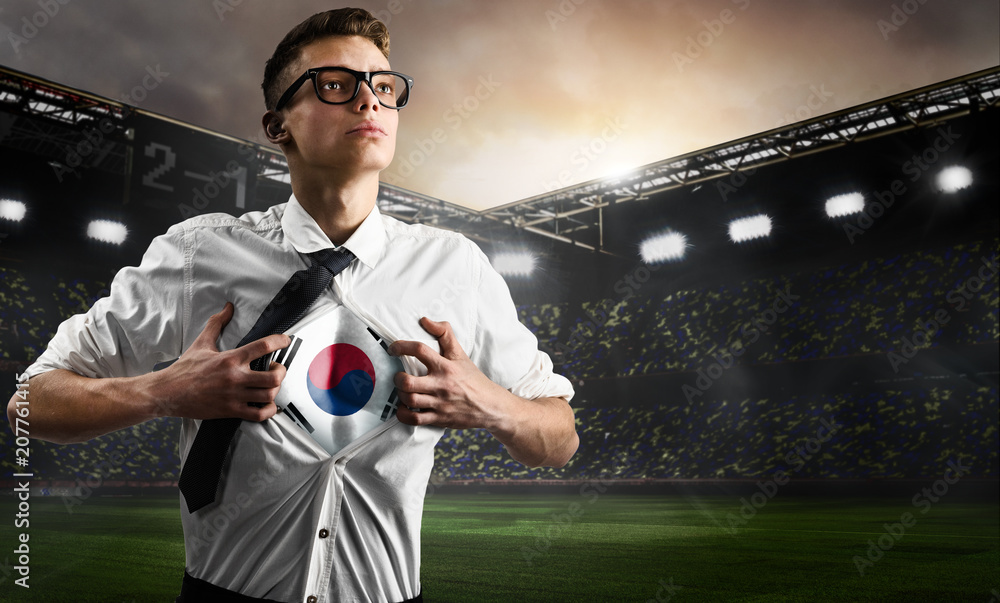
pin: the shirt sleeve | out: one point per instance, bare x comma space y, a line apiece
139, 324
506, 351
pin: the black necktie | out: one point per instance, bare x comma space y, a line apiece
202, 470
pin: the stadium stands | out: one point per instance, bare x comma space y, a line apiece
877, 430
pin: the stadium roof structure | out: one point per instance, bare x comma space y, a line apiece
46, 118
576, 215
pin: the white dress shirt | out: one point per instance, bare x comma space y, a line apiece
293, 522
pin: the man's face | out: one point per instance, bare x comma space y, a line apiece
358, 136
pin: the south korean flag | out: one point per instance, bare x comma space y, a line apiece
339, 380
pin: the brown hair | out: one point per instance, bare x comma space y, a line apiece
340, 22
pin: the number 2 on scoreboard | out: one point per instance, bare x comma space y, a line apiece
169, 162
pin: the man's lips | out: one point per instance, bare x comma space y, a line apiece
368, 128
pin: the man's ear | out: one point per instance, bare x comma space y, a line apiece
273, 128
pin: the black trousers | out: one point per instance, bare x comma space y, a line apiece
194, 590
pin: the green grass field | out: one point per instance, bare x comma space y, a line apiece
567, 547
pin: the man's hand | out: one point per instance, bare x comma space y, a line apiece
205, 383
455, 393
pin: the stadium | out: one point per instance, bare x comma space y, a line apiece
787, 392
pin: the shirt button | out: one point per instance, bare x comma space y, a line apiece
324, 533
312, 599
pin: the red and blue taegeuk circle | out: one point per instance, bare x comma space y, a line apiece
341, 379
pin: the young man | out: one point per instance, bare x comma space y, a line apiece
297, 519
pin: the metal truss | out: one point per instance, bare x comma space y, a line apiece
47, 119
575, 215
72, 128
566, 213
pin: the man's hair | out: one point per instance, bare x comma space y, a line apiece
340, 22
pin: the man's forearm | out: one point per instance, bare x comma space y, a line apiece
67, 408
202, 384
538, 433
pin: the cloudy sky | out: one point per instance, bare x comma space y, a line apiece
515, 97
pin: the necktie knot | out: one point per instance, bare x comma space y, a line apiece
332, 259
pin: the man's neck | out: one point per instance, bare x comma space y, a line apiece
338, 206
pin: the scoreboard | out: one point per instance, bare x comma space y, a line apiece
179, 171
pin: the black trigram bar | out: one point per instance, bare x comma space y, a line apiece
299, 418
380, 341
391, 404
285, 356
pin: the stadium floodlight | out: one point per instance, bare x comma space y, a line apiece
954, 178
107, 231
747, 229
845, 205
12, 210
668, 246
519, 264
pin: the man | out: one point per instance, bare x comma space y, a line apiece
294, 520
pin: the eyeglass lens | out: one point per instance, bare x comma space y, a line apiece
339, 86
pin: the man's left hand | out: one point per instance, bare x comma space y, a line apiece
454, 393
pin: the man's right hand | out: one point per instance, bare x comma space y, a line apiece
205, 383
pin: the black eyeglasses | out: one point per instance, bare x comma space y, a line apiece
339, 85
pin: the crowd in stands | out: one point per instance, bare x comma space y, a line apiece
866, 307
906, 433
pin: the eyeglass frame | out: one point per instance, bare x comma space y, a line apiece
359, 76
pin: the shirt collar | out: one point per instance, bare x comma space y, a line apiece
305, 235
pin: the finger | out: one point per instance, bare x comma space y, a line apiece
417, 401
251, 413
407, 384
213, 328
421, 351
268, 379
409, 417
442, 331
257, 397
262, 347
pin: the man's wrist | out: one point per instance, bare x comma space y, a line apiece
147, 392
